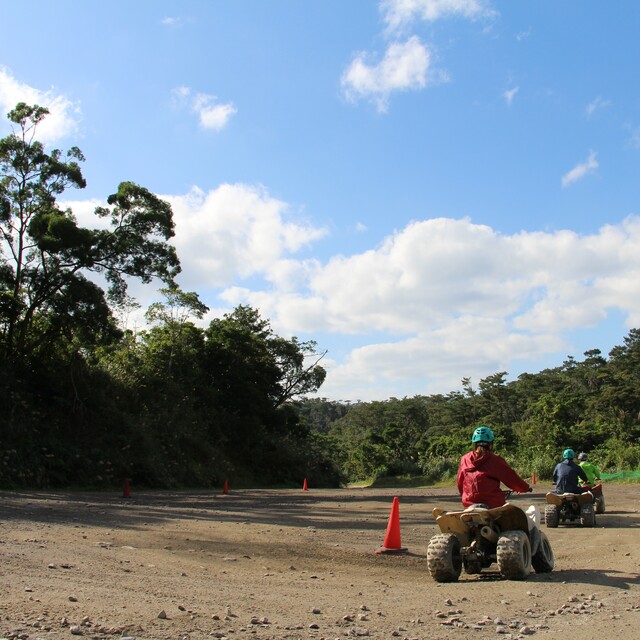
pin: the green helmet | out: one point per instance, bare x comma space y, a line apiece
569, 454
482, 434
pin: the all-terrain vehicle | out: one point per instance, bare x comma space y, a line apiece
570, 507
477, 537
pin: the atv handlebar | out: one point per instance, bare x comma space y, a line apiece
509, 492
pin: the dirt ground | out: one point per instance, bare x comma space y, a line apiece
294, 564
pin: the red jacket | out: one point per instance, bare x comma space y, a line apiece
479, 477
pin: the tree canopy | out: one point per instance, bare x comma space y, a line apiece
45, 292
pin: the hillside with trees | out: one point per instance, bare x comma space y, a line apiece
88, 403
590, 405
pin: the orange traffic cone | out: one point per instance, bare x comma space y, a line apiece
533, 478
126, 492
392, 543
225, 487
304, 485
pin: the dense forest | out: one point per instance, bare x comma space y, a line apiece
591, 405
87, 402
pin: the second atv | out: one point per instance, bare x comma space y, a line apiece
570, 507
477, 537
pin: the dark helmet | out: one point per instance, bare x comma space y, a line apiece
582, 456
482, 434
568, 454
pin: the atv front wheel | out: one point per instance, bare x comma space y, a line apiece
600, 504
587, 516
513, 555
444, 559
551, 515
543, 560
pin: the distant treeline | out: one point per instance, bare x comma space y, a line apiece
590, 405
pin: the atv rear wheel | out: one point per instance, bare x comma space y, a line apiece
543, 560
444, 559
513, 555
600, 504
587, 516
551, 515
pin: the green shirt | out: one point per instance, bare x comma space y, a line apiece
592, 472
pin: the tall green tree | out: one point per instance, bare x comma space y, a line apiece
244, 351
46, 256
251, 374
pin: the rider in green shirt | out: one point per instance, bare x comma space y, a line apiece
593, 473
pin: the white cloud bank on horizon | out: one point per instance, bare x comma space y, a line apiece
436, 301
64, 115
448, 298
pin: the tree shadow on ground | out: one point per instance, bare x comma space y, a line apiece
328, 510
360, 509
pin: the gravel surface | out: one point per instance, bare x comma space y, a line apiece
269, 564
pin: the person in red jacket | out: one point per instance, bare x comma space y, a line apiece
481, 471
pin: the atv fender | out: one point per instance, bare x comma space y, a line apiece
508, 517
580, 498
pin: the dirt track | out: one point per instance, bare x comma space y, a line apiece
294, 564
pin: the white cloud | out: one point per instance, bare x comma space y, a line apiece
510, 94
404, 66
434, 361
64, 115
83, 210
581, 170
595, 105
398, 13
173, 21
211, 113
181, 94
234, 232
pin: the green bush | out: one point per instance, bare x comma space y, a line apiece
616, 455
437, 469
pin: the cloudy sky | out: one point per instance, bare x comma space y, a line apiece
430, 189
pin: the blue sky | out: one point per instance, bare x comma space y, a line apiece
430, 189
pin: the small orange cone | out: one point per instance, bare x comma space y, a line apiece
225, 487
533, 478
392, 543
305, 486
126, 492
